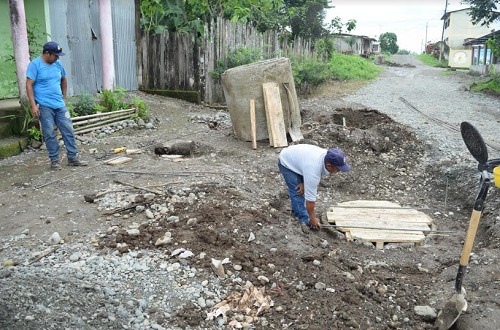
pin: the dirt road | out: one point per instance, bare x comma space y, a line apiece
232, 203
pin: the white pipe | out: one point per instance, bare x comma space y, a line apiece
108, 61
19, 43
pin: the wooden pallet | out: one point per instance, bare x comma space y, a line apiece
379, 214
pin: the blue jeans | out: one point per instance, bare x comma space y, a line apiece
49, 117
292, 180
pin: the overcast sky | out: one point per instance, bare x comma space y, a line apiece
406, 18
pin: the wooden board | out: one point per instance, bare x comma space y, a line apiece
379, 214
252, 124
118, 160
334, 216
274, 113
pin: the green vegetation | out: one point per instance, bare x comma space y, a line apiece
239, 56
429, 59
309, 70
491, 84
142, 109
35, 133
347, 67
84, 104
389, 43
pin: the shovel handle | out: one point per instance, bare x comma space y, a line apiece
469, 242
469, 238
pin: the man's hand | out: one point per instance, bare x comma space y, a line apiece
314, 222
35, 112
300, 189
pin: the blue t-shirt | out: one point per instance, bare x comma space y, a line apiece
47, 86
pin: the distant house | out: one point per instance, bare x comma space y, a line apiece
483, 59
458, 28
353, 44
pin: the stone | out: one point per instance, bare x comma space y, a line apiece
148, 126
427, 313
54, 238
251, 237
139, 208
163, 240
9, 263
316, 262
140, 122
192, 221
133, 232
320, 286
75, 256
36, 144
263, 279
149, 214
149, 197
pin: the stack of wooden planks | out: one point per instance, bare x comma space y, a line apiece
380, 214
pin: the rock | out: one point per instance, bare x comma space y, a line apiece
9, 263
237, 267
251, 237
139, 208
140, 122
173, 218
316, 262
90, 198
149, 197
349, 276
75, 256
149, 214
426, 312
263, 279
320, 286
148, 125
165, 239
192, 221
218, 267
36, 144
133, 232
54, 238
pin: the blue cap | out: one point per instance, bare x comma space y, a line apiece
53, 48
336, 157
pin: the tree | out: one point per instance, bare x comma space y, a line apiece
389, 42
483, 11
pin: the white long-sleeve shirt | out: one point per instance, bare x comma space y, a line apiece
308, 161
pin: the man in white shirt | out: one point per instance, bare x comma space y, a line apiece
302, 167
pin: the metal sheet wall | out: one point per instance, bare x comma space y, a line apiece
75, 26
123, 12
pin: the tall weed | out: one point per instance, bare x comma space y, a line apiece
348, 67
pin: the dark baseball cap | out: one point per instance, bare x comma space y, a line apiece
336, 157
53, 48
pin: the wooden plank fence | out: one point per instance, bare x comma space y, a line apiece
177, 61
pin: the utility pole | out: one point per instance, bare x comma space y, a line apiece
425, 45
442, 33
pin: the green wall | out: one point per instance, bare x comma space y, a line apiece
34, 13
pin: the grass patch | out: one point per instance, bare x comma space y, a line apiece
429, 59
446, 72
348, 67
491, 84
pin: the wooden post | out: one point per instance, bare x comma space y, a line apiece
252, 123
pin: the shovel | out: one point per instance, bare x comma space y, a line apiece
457, 304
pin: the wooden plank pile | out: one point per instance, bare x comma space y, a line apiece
276, 126
85, 124
380, 214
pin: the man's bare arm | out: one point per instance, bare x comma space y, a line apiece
64, 87
35, 112
310, 210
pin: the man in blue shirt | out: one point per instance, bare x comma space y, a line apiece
302, 167
46, 86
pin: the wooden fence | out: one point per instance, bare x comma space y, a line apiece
177, 61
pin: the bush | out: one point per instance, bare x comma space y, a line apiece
309, 70
142, 108
113, 101
345, 67
237, 57
84, 104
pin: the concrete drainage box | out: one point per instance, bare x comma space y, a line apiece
244, 83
